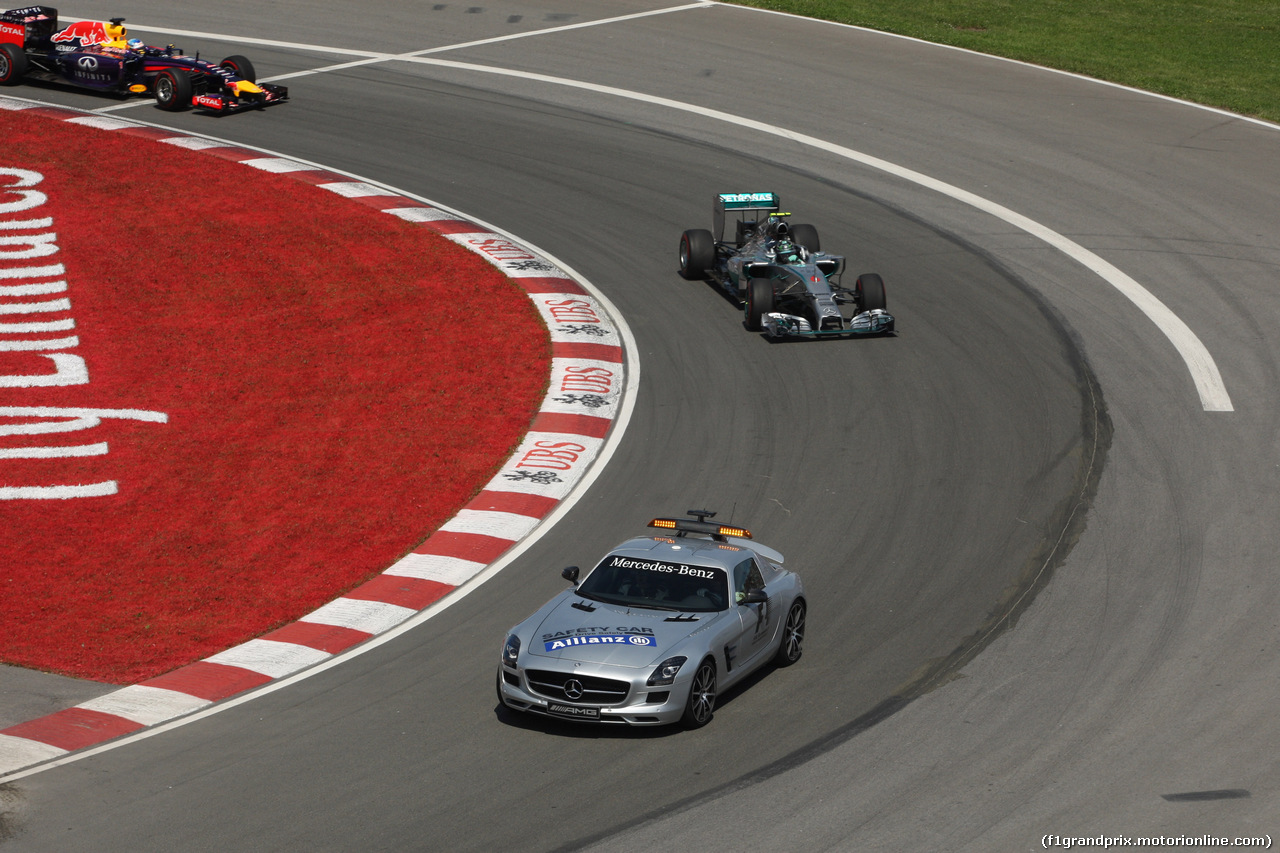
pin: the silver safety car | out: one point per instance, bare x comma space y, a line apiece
778, 272
657, 629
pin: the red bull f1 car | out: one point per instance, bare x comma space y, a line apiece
101, 56
787, 285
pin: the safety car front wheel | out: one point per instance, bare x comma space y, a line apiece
792, 645
702, 696
172, 89
759, 302
13, 64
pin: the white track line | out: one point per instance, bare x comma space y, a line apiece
1195, 355
1203, 369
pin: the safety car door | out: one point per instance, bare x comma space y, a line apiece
756, 619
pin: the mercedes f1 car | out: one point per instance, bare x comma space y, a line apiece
100, 56
660, 626
778, 272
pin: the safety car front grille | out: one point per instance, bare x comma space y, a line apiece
595, 690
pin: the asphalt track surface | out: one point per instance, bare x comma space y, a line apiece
1030, 442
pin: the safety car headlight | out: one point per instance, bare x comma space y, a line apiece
511, 651
666, 671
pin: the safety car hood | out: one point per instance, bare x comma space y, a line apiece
610, 634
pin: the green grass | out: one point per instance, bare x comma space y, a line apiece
1222, 53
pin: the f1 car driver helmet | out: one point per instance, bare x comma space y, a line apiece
786, 252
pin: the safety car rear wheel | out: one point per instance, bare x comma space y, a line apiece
807, 236
870, 292
702, 696
172, 89
241, 67
697, 253
13, 64
759, 302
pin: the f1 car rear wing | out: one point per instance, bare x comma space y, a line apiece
29, 25
742, 203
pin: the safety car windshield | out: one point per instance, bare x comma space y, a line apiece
657, 584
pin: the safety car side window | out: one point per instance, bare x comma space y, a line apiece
746, 577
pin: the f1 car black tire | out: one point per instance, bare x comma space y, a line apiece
241, 67
13, 64
759, 302
702, 696
870, 292
792, 645
172, 89
807, 236
697, 253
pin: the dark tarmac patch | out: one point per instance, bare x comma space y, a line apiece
1201, 796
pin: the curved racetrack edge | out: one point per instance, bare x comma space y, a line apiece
584, 410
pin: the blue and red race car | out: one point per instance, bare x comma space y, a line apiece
101, 56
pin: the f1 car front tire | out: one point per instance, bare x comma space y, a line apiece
173, 89
13, 64
759, 302
241, 67
870, 292
697, 253
702, 696
807, 236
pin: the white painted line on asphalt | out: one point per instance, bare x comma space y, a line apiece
1201, 365
1204, 371
372, 57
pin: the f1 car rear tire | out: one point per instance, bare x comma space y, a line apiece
792, 645
13, 64
759, 302
173, 89
870, 292
807, 236
241, 67
697, 253
702, 696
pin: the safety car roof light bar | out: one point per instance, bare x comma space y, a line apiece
683, 526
